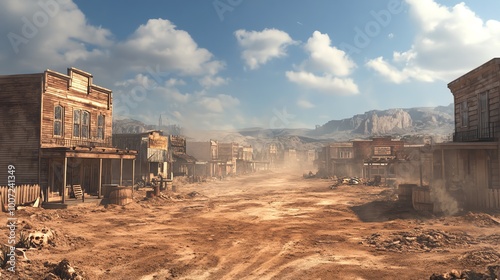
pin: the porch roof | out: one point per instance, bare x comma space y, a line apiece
88, 152
181, 157
466, 146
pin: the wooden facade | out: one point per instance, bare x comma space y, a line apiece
470, 164
153, 157
380, 156
476, 97
57, 131
208, 153
228, 154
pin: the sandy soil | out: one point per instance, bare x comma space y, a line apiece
272, 225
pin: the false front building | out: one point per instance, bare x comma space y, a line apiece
57, 132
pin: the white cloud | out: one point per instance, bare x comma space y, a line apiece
325, 58
48, 33
158, 67
261, 46
199, 109
450, 42
160, 42
326, 69
305, 104
325, 83
210, 81
172, 82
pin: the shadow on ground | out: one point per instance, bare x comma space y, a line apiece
386, 210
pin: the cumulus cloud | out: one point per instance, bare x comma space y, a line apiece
305, 104
325, 83
159, 66
326, 69
261, 46
325, 58
48, 32
199, 109
160, 42
442, 48
211, 81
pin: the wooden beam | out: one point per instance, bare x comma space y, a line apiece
65, 168
133, 174
121, 171
443, 173
99, 191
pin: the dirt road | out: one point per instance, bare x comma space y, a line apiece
273, 225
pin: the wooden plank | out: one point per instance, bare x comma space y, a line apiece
77, 190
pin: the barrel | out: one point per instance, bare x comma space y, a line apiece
106, 189
421, 199
405, 192
120, 195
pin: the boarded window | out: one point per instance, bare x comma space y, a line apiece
58, 120
100, 127
76, 122
484, 116
85, 124
464, 114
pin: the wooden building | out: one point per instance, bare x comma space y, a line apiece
244, 162
470, 164
153, 159
228, 155
56, 131
183, 164
389, 159
207, 152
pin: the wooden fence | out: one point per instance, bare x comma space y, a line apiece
493, 199
23, 194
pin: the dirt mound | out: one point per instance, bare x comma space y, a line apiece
389, 194
493, 273
63, 270
493, 239
481, 219
419, 240
480, 257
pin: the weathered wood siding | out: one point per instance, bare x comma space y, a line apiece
19, 124
73, 92
467, 89
23, 194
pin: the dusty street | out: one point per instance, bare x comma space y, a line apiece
269, 225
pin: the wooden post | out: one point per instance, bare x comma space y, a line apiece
51, 175
133, 174
99, 190
442, 165
421, 173
65, 168
121, 171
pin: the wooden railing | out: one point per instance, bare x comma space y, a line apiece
488, 133
20, 195
106, 142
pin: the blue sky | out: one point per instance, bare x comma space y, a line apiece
224, 64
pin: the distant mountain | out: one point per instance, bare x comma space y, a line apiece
134, 126
412, 124
432, 121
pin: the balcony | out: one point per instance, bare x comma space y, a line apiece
476, 135
91, 143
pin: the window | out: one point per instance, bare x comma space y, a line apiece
345, 154
76, 122
100, 127
85, 124
464, 114
81, 124
484, 116
58, 120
